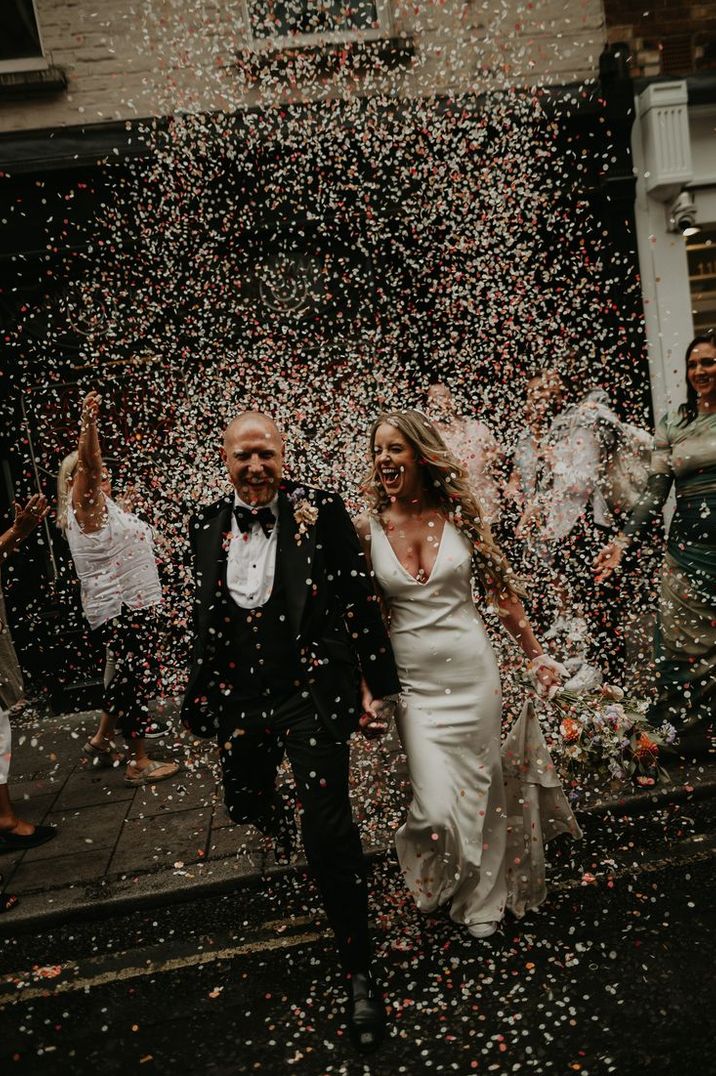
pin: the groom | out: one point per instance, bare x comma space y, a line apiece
286, 624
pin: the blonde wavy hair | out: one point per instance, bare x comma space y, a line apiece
64, 480
446, 482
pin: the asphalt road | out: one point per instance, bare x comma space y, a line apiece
614, 974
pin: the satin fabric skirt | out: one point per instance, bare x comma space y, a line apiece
452, 845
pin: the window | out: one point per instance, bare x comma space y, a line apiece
701, 253
308, 22
20, 41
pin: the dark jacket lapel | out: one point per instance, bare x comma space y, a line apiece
296, 558
211, 553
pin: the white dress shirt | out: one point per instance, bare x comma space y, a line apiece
251, 561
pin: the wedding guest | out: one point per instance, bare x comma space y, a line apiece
473, 443
571, 517
25, 521
15, 833
520, 498
685, 638
425, 536
113, 554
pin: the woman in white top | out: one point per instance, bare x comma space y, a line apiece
113, 554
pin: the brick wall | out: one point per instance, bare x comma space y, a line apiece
125, 61
670, 37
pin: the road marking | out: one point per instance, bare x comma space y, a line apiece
152, 967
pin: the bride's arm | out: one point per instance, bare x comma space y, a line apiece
513, 616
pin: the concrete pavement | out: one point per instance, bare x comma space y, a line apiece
119, 846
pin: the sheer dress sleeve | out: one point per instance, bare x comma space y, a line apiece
658, 485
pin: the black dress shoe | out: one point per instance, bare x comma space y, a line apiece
366, 1019
17, 842
282, 831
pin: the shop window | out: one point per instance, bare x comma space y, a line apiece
701, 252
283, 23
20, 40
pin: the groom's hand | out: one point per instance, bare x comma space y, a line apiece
375, 720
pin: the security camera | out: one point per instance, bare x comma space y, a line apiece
682, 215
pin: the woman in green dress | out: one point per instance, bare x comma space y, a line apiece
685, 638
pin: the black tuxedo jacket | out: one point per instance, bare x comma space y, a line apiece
331, 604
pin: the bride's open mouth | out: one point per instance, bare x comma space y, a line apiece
391, 477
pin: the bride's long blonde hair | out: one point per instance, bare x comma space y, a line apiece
446, 482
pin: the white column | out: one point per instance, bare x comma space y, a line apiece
662, 254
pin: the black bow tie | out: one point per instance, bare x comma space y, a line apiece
246, 517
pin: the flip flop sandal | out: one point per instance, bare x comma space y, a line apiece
99, 756
146, 776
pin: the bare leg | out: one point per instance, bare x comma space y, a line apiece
104, 731
139, 760
8, 818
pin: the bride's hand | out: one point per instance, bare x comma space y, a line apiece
547, 675
376, 719
376, 715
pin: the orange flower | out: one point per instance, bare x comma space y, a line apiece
570, 729
645, 749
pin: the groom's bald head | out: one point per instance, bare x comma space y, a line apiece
253, 454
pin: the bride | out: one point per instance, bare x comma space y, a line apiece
425, 538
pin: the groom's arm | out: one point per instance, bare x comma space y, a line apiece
347, 564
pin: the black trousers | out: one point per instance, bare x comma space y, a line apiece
132, 638
251, 751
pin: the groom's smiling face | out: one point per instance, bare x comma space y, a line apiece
253, 454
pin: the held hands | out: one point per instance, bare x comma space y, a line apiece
28, 516
546, 675
376, 716
608, 560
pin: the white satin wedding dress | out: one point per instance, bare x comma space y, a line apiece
454, 843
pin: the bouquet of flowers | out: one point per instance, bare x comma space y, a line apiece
603, 731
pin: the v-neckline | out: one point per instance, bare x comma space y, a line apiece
400, 564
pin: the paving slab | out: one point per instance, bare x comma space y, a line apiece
152, 843
234, 840
178, 794
57, 872
91, 786
23, 792
83, 830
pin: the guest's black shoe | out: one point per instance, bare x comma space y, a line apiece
366, 1019
283, 833
17, 842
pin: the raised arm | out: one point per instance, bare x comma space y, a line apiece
87, 495
26, 519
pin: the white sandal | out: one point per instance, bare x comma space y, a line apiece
482, 930
147, 775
